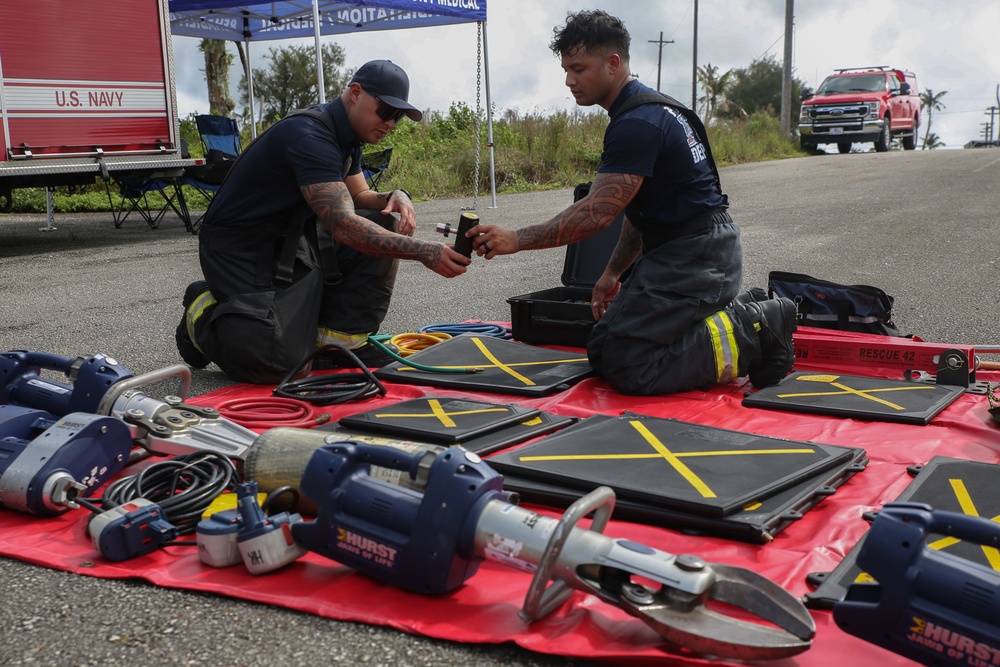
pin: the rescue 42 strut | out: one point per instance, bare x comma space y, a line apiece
433, 541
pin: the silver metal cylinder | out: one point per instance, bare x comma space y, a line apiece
280, 455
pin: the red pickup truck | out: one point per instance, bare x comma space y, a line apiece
859, 105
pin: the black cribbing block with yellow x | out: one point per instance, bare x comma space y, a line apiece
439, 420
505, 367
875, 399
699, 469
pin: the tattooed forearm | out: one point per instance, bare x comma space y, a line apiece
609, 194
628, 248
334, 208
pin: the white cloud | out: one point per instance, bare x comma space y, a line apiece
951, 46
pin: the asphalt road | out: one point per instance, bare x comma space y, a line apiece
920, 225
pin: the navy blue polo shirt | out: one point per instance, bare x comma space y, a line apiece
263, 187
656, 142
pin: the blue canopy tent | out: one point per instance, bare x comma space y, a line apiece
248, 22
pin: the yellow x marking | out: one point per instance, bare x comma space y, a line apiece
845, 390
439, 413
505, 367
673, 458
968, 508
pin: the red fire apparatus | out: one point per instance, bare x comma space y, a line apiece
86, 91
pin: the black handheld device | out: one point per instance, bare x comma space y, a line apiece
466, 221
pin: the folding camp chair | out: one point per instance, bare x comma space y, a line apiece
220, 140
374, 164
220, 137
137, 193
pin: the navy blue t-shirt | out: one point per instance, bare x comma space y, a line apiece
263, 188
656, 142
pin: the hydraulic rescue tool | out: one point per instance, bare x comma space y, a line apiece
430, 538
48, 462
101, 386
928, 605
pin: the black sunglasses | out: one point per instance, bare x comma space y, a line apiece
387, 112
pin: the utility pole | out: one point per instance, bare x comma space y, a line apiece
659, 58
694, 62
992, 112
786, 78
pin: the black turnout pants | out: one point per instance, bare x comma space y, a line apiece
261, 327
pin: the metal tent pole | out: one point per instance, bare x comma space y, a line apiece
489, 118
320, 84
246, 44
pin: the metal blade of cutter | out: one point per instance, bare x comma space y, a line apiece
686, 619
612, 569
171, 427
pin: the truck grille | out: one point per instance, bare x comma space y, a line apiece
838, 113
850, 117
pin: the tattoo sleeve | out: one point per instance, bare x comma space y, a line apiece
609, 194
334, 208
628, 248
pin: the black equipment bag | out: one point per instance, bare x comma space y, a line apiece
828, 305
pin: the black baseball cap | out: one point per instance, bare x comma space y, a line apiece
389, 83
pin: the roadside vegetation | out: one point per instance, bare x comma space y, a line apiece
438, 157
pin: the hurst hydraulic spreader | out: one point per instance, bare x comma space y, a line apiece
60, 441
432, 537
928, 605
102, 386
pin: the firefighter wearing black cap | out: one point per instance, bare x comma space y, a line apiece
298, 190
676, 323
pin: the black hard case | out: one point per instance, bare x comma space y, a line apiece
562, 315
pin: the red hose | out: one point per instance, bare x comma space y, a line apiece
264, 413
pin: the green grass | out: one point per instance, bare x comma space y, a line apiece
437, 157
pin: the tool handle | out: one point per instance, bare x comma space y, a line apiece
541, 598
48, 361
964, 527
180, 371
908, 525
388, 457
463, 244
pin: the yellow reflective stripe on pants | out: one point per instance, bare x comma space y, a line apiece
202, 302
724, 349
326, 336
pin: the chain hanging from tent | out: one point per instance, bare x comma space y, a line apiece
479, 108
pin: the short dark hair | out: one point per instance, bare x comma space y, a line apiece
593, 30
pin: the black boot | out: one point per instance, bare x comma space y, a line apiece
775, 321
191, 355
752, 295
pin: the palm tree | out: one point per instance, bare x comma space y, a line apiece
932, 141
716, 88
932, 102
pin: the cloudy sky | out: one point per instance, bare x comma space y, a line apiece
952, 46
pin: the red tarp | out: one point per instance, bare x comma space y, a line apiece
485, 609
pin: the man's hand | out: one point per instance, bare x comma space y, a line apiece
398, 202
489, 241
605, 290
444, 261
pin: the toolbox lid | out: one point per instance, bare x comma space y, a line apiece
585, 260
